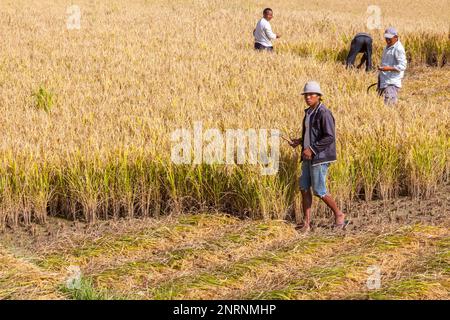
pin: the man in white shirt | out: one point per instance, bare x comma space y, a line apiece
393, 66
263, 32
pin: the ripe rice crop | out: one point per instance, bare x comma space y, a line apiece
87, 114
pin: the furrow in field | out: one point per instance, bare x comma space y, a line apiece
219, 282
426, 278
191, 259
339, 275
20, 279
116, 249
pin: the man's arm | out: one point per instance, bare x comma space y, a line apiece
296, 142
388, 68
269, 32
400, 57
328, 135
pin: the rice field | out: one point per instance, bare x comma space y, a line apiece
87, 114
87, 117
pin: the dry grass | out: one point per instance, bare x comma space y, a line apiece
217, 256
127, 245
20, 279
223, 258
87, 114
344, 274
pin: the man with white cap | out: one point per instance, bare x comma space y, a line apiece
318, 152
393, 66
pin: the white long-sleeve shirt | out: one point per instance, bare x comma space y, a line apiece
263, 33
393, 56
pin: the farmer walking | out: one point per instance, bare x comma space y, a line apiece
393, 66
263, 32
318, 143
361, 43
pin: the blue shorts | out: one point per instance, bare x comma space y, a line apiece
315, 177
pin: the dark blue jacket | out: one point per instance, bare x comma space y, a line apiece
322, 135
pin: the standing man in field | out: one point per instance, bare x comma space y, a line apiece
263, 32
361, 43
318, 152
393, 66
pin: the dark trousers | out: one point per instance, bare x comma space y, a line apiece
360, 44
259, 46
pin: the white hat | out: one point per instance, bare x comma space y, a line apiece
312, 87
390, 33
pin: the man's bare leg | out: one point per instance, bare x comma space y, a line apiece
306, 206
339, 217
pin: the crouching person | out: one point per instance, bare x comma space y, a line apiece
361, 43
318, 143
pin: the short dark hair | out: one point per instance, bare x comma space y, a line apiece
266, 11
